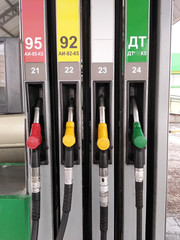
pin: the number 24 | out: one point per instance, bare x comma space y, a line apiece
136, 69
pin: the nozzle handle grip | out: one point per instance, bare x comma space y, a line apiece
69, 137
103, 142
35, 138
138, 137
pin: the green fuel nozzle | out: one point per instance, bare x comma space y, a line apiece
138, 137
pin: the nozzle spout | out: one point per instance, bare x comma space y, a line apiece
135, 110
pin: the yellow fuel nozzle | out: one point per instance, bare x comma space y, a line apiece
103, 142
69, 137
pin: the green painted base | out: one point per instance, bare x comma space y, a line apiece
15, 218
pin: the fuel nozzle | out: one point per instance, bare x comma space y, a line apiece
103, 142
68, 140
140, 142
35, 137
69, 137
138, 137
33, 142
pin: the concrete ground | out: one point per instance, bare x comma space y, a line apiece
173, 189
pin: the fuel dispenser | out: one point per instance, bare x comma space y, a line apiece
135, 112
38, 121
98, 182
102, 121
69, 108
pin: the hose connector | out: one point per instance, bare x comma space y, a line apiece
103, 142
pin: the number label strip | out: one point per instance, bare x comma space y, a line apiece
102, 71
33, 30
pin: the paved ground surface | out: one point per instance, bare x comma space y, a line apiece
173, 191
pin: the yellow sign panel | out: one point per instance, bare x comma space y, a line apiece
67, 17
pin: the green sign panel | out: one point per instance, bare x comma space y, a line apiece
15, 217
137, 29
175, 64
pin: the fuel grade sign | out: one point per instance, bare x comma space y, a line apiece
33, 30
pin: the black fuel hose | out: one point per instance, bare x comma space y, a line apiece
35, 229
68, 188
139, 164
103, 174
35, 180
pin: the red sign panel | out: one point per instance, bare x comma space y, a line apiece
33, 30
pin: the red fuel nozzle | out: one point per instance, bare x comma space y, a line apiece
35, 137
